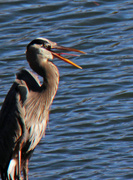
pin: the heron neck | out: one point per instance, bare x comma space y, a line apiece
50, 80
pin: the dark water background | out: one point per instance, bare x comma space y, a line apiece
90, 132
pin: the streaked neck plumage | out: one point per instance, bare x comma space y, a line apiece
38, 61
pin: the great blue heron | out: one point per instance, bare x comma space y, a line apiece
25, 111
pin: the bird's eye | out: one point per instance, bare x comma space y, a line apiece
47, 46
43, 45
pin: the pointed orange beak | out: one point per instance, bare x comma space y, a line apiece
63, 58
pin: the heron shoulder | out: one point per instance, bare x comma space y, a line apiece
31, 80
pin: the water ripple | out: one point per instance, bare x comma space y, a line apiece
89, 135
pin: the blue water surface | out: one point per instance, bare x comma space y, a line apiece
90, 131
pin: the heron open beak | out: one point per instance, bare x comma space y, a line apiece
63, 58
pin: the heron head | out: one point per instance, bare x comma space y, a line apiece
43, 49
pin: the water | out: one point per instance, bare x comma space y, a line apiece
90, 132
